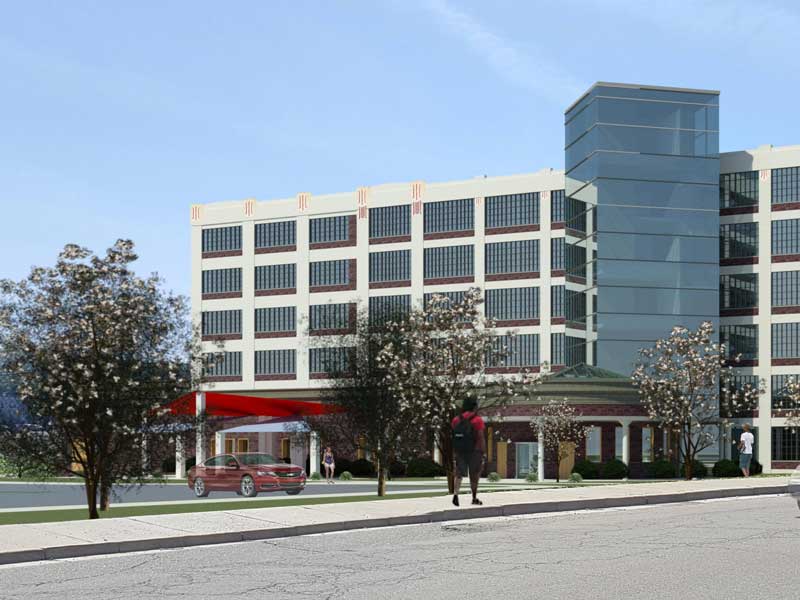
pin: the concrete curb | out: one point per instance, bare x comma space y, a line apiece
455, 514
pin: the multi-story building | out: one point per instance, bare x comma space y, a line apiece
649, 227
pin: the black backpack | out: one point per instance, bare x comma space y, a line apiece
464, 435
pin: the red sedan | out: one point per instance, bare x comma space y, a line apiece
246, 474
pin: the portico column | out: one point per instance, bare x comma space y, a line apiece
314, 453
262, 442
437, 454
626, 447
220, 442
180, 461
540, 453
200, 428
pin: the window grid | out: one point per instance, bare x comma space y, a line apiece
218, 281
557, 301
449, 261
557, 206
512, 257
738, 189
273, 235
785, 340
738, 291
738, 240
786, 288
512, 210
780, 398
786, 237
512, 304
394, 265
557, 254
740, 339
786, 185
575, 350
227, 365
330, 272
276, 362
786, 443
390, 221
329, 360
329, 229
329, 316
222, 239
450, 215
384, 308
221, 322
276, 277
515, 351
557, 355
274, 319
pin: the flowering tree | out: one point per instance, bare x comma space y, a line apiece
439, 356
95, 352
686, 383
790, 405
559, 430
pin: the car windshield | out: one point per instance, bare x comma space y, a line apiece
257, 459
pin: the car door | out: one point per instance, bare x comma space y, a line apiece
213, 472
230, 473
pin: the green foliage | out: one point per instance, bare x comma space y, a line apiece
532, 477
345, 476
755, 467
726, 468
587, 469
315, 476
362, 468
493, 477
424, 466
343, 464
613, 469
575, 477
699, 470
661, 469
397, 469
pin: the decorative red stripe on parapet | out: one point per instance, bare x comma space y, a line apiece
417, 191
763, 174
362, 199
196, 212
249, 207
544, 195
303, 201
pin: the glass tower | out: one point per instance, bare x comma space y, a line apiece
642, 212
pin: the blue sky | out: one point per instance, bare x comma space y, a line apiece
115, 117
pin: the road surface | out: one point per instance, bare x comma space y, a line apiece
740, 548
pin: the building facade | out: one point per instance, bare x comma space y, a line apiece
649, 227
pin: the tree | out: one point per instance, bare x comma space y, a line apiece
95, 352
559, 427
441, 355
371, 413
790, 401
686, 383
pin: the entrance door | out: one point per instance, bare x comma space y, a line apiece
526, 458
502, 459
568, 461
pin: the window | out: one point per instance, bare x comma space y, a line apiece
557, 356
786, 288
221, 322
557, 206
228, 449
512, 257
285, 449
740, 339
222, 239
449, 261
575, 306
390, 221
576, 213
385, 308
276, 277
515, 351
557, 254
738, 240
786, 443
593, 447
330, 272
512, 304
576, 260
618, 442
648, 451
786, 237
394, 265
786, 185
512, 210
222, 364
575, 350
278, 318
452, 297
275, 362
781, 400
329, 361
329, 316
275, 235
329, 229
738, 291
786, 340
243, 445
738, 189
219, 281
557, 301
737, 385
450, 215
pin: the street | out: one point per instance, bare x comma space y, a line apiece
733, 548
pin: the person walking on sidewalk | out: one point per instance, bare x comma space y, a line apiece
330, 465
469, 448
746, 442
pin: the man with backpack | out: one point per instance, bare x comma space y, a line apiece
469, 448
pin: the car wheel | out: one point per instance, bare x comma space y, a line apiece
200, 489
293, 492
248, 487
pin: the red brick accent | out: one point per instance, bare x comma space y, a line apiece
504, 370
517, 323
221, 378
222, 253
278, 292
277, 377
275, 249
738, 210
511, 229
742, 260
576, 279
557, 320
737, 312
222, 337
785, 310
352, 237
447, 235
785, 464
221, 295
447, 280
511, 276
786, 258
275, 334
787, 206
377, 285
557, 273
351, 285
558, 225
352, 313
390, 240
783, 362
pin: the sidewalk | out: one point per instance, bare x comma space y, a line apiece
43, 541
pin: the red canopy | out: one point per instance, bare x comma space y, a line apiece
236, 405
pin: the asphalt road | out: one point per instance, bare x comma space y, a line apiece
20, 495
740, 548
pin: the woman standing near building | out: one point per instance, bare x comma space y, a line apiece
330, 465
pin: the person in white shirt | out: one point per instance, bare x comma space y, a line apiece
746, 450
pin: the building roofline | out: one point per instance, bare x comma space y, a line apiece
639, 86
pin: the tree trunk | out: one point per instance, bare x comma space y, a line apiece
91, 497
105, 493
381, 481
558, 469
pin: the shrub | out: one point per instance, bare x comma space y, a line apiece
362, 468
315, 476
532, 477
494, 477
755, 467
424, 466
397, 469
725, 468
613, 469
699, 470
661, 469
190, 462
575, 477
342, 464
587, 469
345, 475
